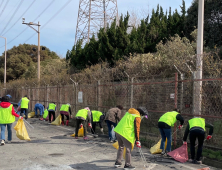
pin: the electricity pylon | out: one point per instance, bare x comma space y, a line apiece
93, 15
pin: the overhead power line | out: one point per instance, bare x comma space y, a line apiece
1, 3
4, 8
51, 18
12, 16
34, 21
19, 17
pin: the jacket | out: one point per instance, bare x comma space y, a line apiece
6, 105
113, 115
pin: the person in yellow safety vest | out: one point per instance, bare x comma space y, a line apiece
7, 117
165, 123
51, 109
196, 128
97, 117
66, 110
127, 132
24, 106
81, 117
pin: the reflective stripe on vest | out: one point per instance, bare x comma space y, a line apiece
82, 113
96, 115
52, 106
6, 116
197, 122
125, 127
65, 107
169, 118
45, 113
25, 103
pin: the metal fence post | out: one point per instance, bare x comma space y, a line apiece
98, 95
181, 95
131, 93
175, 105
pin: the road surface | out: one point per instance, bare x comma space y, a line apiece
52, 148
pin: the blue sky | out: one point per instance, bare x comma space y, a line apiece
59, 33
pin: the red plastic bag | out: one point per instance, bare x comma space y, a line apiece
180, 154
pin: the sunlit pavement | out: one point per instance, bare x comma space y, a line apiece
52, 148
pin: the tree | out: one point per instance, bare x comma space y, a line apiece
20, 58
212, 21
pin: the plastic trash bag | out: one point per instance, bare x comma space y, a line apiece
58, 121
180, 154
156, 148
21, 131
45, 113
116, 145
80, 133
113, 134
30, 115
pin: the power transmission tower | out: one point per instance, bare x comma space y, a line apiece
93, 15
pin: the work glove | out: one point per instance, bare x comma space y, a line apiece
138, 144
184, 142
90, 125
180, 127
101, 130
209, 137
20, 117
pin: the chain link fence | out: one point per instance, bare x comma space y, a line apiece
157, 94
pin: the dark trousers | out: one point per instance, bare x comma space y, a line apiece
24, 111
109, 123
200, 135
67, 117
78, 123
51, 113
93, 130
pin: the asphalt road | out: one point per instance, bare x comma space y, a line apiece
52, 148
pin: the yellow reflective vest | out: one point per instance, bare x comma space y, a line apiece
65, 107
25, 103
52, 106
96, 115
45, 113
197, 122
169, 118
6, 116
125, 127
82, 113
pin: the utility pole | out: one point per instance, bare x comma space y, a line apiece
5, 60
197, 98
38, 31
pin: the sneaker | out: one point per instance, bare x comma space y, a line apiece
198, 162
163, 152
166, 154
2, 142
128, 167
118, 164
191, 161
76, 138
9, 142
85, 138
111, 141
115, 140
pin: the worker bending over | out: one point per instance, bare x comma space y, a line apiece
165, 123
65, 110
40, 107
127, 132
196, 128
81, 119
97, 118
